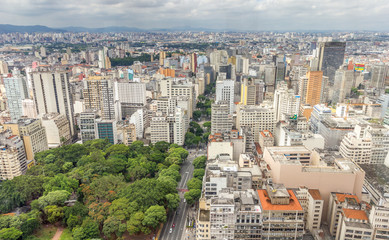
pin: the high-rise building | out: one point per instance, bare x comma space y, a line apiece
162, 56
88, 126
248, 94
331, 57
52, 94
285, 102
180, 126
193, 62
98, 95
3, 67
13, 157
57, 129
16, 90
314, 84
225, 92
378, 75
128, 132
29, 109
257, 118
106, 129
137, 118
221, 119
342, 85
32, 133
159, 127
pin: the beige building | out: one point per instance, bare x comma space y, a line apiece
12, 155
379, 219
282, 214
32, 133
266, 139
128, 132
257, 118
357, 149
221, 119
297, 166
159, 127
57, 129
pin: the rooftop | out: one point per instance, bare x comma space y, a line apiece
315, 193
294, 204
341, 197
355, 214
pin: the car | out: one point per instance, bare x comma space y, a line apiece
184, 200
173, 225
171, 230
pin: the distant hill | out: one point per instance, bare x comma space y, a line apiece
8, 28
104, 29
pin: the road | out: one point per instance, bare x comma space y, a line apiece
179, 217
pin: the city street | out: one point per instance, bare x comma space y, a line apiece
179, 217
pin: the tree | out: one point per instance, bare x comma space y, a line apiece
113, 225
134, 225
29, 225
189, 198
197, 115
53, 198
162, 146
192, 196
194, 183
60, 182
207, 125
118, 149
54, 213
173, 200
154, 215
105, 188
171, 173
10, 233
73, 221
199, 162
199, 173
89, 229
191, 139
122, 208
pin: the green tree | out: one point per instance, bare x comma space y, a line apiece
113, 225
192, 196
10, 233
54, 213
134, 225
194, 183
173, 200
197, 115
199, 162
207, 125
171, 173
154, 215
199, 173
60, 182
162, 146
118, 149
53, 198
122, 208
73, 221
89, 229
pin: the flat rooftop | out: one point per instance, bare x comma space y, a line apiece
294, 204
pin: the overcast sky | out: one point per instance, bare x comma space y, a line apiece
213, 14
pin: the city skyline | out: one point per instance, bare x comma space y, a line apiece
252, 15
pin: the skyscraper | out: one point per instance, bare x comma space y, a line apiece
225, 92
313, 92
52, 94
331, 57
16, 90
221, 119
378, 75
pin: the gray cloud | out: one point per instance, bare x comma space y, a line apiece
232, 14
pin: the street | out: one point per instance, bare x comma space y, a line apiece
179, 217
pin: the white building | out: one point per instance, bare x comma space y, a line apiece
137, 119
57, 129
285, 102
13, 158
16, 91
88, 126
225, 92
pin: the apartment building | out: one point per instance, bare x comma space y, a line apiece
13, 158
57, 129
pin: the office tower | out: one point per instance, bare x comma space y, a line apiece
221, 119
378, 76
170, 89
16, 91
193, 62
248, 95
106, 129
319, 112
331, 57
282, 213
28, 108
379, 136
129, 95
242, 65
259, 91
159, 127
88, 126
137, 118
217, 58
270, 75
225, 92
257, 118
57, 129
229, 70
98, 95
342, 85
32, 133
3, 67
180, 126
313, 92
52, 94
285, 102
162, 56
13, 158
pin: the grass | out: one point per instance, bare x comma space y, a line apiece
46, 232
66, 235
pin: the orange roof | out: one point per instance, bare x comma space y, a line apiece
315, 193
342, 197
268, 133
355, 214
294, 204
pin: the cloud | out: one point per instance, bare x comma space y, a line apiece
216, 14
